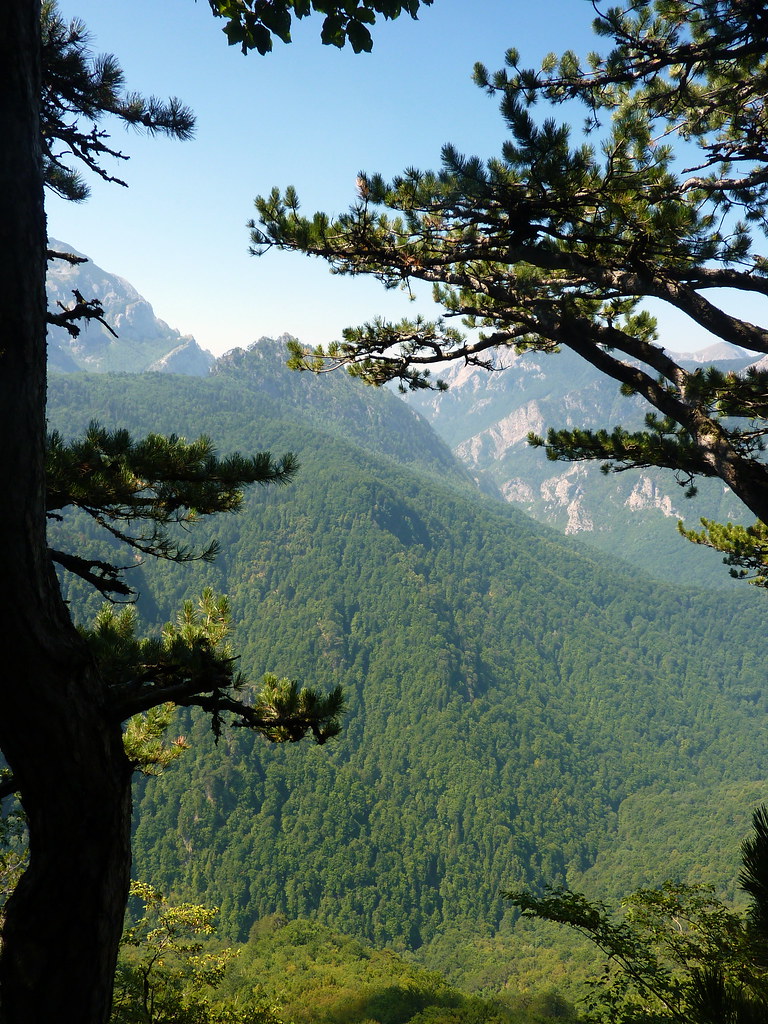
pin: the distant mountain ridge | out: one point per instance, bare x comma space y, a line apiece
376, 419
144, 342
486, 417
483, 417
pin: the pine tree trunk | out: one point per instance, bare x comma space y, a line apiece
63, 923
64, 920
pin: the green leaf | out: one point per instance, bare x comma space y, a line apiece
359, 37
333, 33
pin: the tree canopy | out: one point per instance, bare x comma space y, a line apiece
559, 239
79, 86
679, 954
139, 490
252, 24
473, 648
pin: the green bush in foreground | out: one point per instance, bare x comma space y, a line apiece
173, 970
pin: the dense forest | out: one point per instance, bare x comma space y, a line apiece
522, 715
520, 710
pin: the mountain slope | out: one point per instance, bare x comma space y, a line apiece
143, 341
508, 691
486, 418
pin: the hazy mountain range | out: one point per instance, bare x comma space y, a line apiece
485, 419
487, 416
143, 341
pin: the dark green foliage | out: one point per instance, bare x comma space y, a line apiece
377, 423
557, 241
507, 693
654, 827
147, 495
143, 493
192, 664
138, 490
251, 24
745, 547
678, 954
754, 877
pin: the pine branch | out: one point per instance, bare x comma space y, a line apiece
103, 576
83, 309
192, 665
555, 243
138, 491
68, 257
77, 87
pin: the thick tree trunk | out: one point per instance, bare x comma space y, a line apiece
63, 924
64, 920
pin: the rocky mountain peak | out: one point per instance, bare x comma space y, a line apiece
143, 342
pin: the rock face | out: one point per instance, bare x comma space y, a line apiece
187, 358
486, 418
143, 341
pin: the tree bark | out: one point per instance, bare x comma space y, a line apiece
63, 924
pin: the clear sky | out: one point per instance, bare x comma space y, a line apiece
307, 115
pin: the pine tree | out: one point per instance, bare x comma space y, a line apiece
678, 954
557, 241
62, 698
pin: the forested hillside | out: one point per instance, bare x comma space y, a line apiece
516, 704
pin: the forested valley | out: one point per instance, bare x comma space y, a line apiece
521, 711
507, 732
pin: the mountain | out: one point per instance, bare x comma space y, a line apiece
522, 709
719, 352
376, 420
143, 341
486, 417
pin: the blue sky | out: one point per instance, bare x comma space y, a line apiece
306, 115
